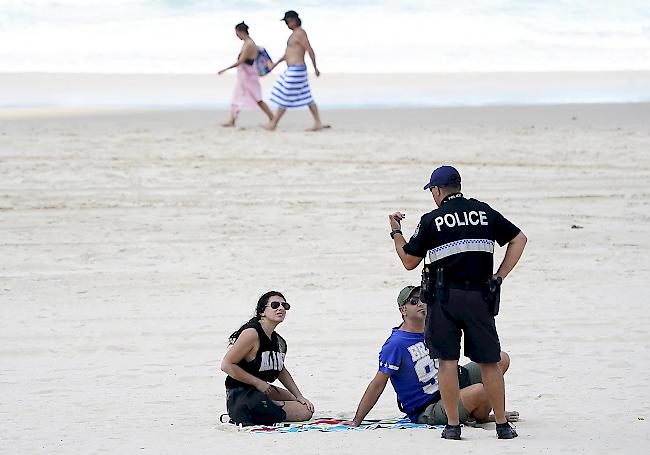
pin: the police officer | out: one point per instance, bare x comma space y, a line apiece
456, 241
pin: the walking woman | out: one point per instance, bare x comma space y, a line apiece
248, 91
254, 361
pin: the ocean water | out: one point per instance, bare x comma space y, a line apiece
165, 53
342, 90
380, 36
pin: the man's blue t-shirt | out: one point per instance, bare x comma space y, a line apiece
413, 373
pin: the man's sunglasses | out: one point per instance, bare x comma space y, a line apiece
414, 300
276, 305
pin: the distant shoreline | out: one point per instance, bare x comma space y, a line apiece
607, 115
331, 91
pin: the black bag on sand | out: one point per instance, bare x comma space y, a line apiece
248, 406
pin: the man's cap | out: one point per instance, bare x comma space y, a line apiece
405, 293
291, 14
443, 176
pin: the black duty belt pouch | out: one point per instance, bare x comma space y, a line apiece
441, 287
492, 294
248, 406
463, 377
427, 293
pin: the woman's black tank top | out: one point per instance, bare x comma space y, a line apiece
268, 361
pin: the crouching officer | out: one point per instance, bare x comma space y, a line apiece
456, 241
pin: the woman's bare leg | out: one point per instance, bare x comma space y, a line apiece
280, 394
273, 124
265, 109
296, 412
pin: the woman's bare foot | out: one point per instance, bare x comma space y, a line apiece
269, 127
228, 125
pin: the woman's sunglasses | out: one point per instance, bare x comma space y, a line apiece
276, 305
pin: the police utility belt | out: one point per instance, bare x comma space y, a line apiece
435, 288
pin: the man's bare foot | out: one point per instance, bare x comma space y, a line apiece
269, 127
318, 127
511, 416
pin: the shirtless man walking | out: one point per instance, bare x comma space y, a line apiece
291, 89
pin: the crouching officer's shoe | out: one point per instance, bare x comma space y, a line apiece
451, 432
505, 431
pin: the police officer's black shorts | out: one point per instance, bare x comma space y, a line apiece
464, 311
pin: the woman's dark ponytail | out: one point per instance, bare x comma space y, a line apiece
259, 309
242, 27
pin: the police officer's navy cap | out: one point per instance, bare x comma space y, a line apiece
405, 293
443, 176
291, 14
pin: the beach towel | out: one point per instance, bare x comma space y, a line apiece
248, 91
327, 424
291, 89
263, 62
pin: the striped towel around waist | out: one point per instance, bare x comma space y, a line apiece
291, 88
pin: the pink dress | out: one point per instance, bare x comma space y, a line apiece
248, 91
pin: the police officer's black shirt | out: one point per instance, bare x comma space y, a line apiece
459, 236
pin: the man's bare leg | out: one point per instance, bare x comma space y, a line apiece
273, 124
495, 388
448, 379
317, 123
265, 109
475, 401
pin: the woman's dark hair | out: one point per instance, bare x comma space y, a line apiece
241, 27
259, 309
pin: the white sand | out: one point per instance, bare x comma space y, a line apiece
134, 243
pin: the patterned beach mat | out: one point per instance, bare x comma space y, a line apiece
336, 425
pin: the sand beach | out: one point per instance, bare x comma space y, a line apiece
134, 242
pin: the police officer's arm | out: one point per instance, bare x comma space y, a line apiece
247, 343
409, 261
513, 253
369, 399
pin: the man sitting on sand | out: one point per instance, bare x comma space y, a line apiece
291, 89
414, 374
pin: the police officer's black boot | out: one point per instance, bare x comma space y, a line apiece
451, 432
505, 431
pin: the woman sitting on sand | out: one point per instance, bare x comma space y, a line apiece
254, 361
248, 91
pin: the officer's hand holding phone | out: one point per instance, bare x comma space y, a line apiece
395, 220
